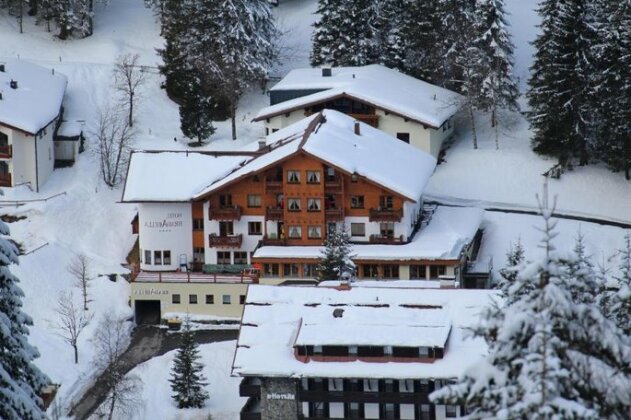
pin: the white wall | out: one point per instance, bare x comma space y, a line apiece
22, 164
165, 226
282, 121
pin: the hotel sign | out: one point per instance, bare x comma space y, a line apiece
150, 292
276, 396
173, 220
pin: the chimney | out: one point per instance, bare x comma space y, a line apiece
326, 72
357, 130
2, 69
338, 313
262, 144
14, 84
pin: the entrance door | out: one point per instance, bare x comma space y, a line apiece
147, 312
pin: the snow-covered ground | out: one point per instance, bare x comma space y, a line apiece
224, 402
86, 218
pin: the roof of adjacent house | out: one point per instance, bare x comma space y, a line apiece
36, 101
330, 137
450, 230
379, 86
275, 319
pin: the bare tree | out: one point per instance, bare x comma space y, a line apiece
110, 342
79, 268
114, 136
72, 320
129, 77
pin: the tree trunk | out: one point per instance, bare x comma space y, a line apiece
627, 174
473, 131
76, 353
233, 118
112, 406
131, 109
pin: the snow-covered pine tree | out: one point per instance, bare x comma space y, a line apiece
187, 380
344, 35
197, 108
560, 81
515, 256
389, 44
174, 20
499, 89
621, 299
549, 356
588, 284
20, 380
336, 256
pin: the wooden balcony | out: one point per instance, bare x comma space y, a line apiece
6, 152
273, 186
386, 240
225, 213
363, 396
232, 241
385, 215
333, 185
5, 180
334, 214
273, 241
274, 213
370, 119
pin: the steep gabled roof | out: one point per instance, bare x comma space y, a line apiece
37, 99
376, 85
330, 137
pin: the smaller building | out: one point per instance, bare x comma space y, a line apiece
409, 109
30, 112
354, 353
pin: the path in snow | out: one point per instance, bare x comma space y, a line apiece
147, 342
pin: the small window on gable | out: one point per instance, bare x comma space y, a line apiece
293, 177
405, 137
313, 177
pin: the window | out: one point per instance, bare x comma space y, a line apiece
240, 257
166, 257
387, 351
406, 385
175, 299
192, 299
391, 271
370, 270
254, 200
386, 229
310, 270
357, 201
157, 257
404, 137
423, 351
295, 232
226, 229
386, 202
352, 350
436, 270
293, 177
226, 299
270, 270
314, 232
274, 130
147, 257
425, 412
254, 228
225, 200
223, 257
314, 204
330, 174
317, 349
198, 224
198, 255
256, 178
4, 139
313, 177
266, 131
210, 299
293, 204
241, 299
417, 272
358, 229
290, 270
451, 411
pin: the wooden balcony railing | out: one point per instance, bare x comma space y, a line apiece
385, 215
334, 214
364, 396
6, 151
386, 239
333, 185
370, 119
273, 241
224, 213
274, 213
273, 186
5, 179
233, 241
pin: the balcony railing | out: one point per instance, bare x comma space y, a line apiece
273, 241
386, 239
232, 241
6, 151
274, 213
370, 119
364, 396
250, 387
5, 180
273, 186
333, 185
385, 215
334, 214
225, 213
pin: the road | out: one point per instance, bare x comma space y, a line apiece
147, 342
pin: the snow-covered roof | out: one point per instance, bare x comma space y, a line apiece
380, 86
330, 136
274, 318
174, 176
448, 232
70, 129
37, 99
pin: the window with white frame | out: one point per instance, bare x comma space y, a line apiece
314, 232
357, 201
293, 177
314, 204
147, 257
295, 232
313, 177
358, 229
293, 204
254, 200
157, 257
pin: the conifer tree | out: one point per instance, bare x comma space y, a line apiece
389, 44
621, 299
187, 380
549, 355
514, 258
20, 380
336, 256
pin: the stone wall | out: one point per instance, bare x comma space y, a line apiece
279, 399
